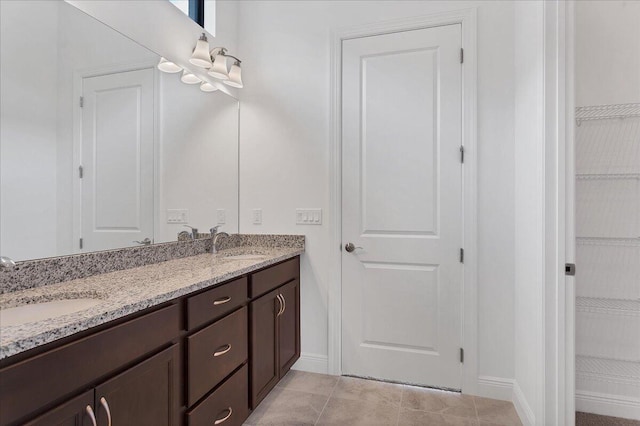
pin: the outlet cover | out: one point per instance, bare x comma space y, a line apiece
177, 216
257, 216
308, 216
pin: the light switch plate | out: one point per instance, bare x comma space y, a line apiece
222, 216
257, 216
308, 216
176, 216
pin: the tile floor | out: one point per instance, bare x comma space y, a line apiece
315, 399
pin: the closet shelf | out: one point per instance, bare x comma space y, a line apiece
604, 112
603, 241
610, 306
587, 176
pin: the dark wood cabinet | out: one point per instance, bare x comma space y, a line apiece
275, 329
144, 395
75, 412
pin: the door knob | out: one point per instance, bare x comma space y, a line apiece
350, 247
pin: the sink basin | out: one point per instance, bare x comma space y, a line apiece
45, 310
245, 257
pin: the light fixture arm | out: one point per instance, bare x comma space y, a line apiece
218, 50
238, 61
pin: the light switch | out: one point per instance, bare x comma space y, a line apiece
308, 216
257, 216
176, 216
222, 216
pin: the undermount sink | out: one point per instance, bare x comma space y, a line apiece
34, 312
245, 257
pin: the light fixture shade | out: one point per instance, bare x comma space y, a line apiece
168, 66
208, 87
235, 76
219, 68
189, 78
200, 56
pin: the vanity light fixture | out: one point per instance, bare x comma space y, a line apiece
168, 66
219, 68
200, 56
235, 75
189, 78
208, 87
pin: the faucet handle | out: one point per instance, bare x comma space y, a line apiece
191, 227
214, 230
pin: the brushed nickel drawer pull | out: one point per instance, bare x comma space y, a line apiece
281, 303
92, 416
284, 301
224, 419
226, 349
221, 301
104, 403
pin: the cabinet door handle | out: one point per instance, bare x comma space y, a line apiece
284, 302
92, 416
226, 349
104, 403
279, 297
221, 301
225, 418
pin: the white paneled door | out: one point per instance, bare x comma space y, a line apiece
117, 159
402, 207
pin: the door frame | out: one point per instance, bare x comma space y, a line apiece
467, 19
78, 78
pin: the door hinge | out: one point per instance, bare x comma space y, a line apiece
462, 154
81, 101
570, 269
81, 244
461, 355
80, 172
461, 255
461, 55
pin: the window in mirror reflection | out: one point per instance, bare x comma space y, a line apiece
201, 11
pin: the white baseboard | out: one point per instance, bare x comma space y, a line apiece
608, 405
522, 406
495, 387
313, 363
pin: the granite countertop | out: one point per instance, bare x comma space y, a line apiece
125, 292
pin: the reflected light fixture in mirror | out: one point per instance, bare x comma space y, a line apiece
189, 78
208, 87
168, 66
219, 68
200, 56
235, 76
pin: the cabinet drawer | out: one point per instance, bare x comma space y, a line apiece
216, 302
214, 352
227, 406
33, 383
270, 278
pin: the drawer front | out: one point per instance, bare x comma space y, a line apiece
215, 303
214, 352
270, 278
33, 383
227, 406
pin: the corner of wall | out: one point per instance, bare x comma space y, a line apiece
312, 363
522, 406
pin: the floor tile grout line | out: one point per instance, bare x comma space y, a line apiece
327, 401
400, 406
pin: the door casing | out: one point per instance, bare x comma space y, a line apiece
467, 19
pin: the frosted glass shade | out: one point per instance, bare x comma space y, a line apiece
189, 78
208, 87
235, 77
168, 66
219, 68
200, 56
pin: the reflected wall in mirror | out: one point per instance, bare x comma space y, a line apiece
98, 149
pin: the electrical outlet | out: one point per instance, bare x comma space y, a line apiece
222, 216
308, 216
257, 216
177, 216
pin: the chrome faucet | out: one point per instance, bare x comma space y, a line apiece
214, 238
194, 232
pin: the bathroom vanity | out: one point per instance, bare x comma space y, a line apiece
207, 356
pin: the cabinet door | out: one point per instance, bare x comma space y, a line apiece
144, 395
75, 412
289, 327
264, 355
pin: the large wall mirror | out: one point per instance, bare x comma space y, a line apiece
98, 149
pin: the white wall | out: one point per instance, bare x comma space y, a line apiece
285, 148
28, 128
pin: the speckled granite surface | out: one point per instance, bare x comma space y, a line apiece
128, 291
